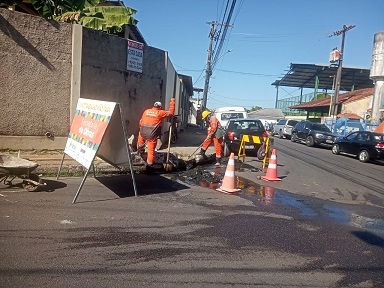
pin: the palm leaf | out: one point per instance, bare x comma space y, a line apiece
97, 23
45, 8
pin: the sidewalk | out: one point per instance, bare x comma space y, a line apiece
49, 160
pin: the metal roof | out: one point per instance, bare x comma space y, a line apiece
266, 112
320, 104
304, 76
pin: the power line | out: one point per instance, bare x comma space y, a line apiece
231, 97
222, 21
248, 73
225, 29
208, 73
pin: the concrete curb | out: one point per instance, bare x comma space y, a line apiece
49, 160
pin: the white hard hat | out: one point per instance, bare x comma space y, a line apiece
157, 104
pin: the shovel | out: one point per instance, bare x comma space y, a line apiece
168, 166
195, 150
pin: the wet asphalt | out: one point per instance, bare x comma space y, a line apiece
181, 232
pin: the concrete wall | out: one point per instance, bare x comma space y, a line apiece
35, 69
104, 75
359, 107
46, 66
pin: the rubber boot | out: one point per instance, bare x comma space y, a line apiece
150, 169
218, 161
202, 152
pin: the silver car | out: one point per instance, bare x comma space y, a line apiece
283, 128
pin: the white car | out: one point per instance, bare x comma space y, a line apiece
283, 128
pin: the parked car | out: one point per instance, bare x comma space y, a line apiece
283, 128
313, 134
365, 145
237, 127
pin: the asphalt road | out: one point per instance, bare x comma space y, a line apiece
321, 226
316, 171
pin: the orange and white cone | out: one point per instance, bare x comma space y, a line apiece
269, 191
272, 169
229, 182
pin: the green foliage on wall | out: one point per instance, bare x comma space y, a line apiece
94, 14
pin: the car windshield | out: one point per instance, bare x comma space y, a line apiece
245, 125
227, 116
321, 127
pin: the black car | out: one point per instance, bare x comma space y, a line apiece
313, 134
234, 130
365, 145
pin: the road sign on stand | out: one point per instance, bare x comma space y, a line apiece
97, 130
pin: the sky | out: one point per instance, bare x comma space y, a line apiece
266, 37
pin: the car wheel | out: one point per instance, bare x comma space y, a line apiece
281, 134
293, 137
226, 151
336, 149
309, 141
363, 156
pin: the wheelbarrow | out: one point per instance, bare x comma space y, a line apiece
12, 167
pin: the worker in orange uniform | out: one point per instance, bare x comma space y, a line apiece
150, 128
215, 134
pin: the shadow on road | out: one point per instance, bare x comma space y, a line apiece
369, 238
122, 185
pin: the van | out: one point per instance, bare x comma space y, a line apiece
223, 114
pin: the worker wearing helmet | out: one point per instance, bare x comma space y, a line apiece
150, 125
215, 134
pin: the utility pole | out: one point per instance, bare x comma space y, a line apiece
208, 71
339, 69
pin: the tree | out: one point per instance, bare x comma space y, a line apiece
94, 14
9, 2
254, 108
110, 19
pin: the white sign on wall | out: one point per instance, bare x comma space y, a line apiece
135, 56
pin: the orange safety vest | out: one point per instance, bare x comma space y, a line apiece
214, 123
151, 120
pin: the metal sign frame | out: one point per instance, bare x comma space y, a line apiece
113, 147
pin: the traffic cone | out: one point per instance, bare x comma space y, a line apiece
269, 191
272, 169
228, 186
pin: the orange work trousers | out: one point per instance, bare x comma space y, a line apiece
151, 146
217, 143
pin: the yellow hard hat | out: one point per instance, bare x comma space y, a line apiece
205, 114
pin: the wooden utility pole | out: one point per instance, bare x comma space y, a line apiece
208, 70
339, 69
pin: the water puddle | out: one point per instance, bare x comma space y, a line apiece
281, 201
